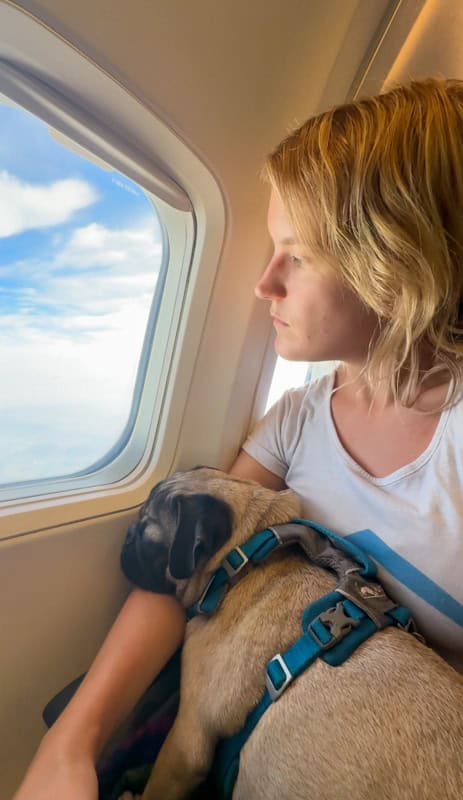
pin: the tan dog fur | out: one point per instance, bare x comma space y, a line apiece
385, 725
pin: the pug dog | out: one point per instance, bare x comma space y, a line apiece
385, 724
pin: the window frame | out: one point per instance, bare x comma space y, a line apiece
88, 106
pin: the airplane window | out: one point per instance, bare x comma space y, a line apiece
81, 261
290, 374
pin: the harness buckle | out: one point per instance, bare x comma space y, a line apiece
334, 623
410, 627
233, 569
197, 607
281, 678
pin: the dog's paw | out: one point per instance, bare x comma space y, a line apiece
129, 796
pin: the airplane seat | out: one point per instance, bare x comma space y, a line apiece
126, 761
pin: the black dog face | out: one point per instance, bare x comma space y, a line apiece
178, 531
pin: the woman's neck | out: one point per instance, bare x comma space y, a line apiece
350, 380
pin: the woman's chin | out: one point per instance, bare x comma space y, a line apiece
289, 353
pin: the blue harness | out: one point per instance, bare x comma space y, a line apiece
332, 627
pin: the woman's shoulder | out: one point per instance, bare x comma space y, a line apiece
310, 397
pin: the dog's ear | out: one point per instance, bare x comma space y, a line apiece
204, 524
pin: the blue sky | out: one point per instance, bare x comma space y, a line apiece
79, 258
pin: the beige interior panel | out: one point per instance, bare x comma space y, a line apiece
60, 591
434, 45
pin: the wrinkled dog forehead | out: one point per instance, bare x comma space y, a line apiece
161, 509
158, 514
194, 481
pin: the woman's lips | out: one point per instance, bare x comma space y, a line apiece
279, 323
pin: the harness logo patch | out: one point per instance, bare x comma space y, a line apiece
372, 590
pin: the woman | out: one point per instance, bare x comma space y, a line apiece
366, 216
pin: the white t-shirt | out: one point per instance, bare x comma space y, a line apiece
410, 522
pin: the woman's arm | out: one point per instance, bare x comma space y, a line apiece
146, 633
246, 467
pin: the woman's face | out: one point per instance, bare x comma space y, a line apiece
316, 318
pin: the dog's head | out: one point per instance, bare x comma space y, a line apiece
179, 527
190, 518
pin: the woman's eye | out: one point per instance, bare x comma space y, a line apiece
297, 260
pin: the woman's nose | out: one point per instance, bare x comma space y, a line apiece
271, 284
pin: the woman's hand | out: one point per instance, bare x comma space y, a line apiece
59, 773
146, 633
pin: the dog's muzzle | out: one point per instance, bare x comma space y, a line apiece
144, 562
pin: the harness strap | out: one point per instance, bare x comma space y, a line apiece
333, 627
368, 568
254, 550
260, 545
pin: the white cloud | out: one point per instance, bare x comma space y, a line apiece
112, 290
73, 331
132, 250
46, 369
24, 206
130, 254
69, 353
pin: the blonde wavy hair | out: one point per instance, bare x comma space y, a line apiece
376, 188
